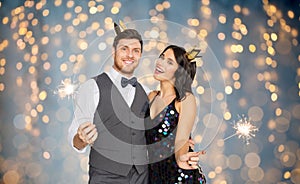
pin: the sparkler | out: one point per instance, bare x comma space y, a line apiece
244, 129
66, 89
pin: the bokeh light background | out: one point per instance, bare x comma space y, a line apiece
256, 44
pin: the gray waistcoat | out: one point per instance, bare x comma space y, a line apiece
121, 139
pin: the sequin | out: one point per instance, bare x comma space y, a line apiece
162, 136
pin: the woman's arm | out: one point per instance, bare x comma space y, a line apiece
187, 114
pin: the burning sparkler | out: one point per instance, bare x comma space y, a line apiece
244, 129
66, 89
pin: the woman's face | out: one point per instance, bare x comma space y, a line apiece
166, 67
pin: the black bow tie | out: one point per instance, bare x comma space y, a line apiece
125, 82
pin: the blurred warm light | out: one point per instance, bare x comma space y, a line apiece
31, 69
211, 174
45, 119
237, 85
278, 111
243, 29
43, 95
236, 35
59, 54
274, 97
19, 81
222, 18
19, 66
78, 9
76, 22
237, 48
237, 8
237, 21
46, 155
242, 102
114, 10
48, 80
34, 22
11, 177
46, 12
235, 76
198, 138
58, 2
271, 138
40, 108
2, 87
287, 175
266, 36
228, 90
193, 22
93, 10
221, 36
200, 90
245, 11
220, 96
166, 4
2, 70
235, 63
5, 20
82, 78
227, 115
274, 36
203, 33
272, 88
206, 10
252, 48
271, 51
33, 113
46, 66
280, 148
256, 174
159, 7
269, 60
100, 8
28, 120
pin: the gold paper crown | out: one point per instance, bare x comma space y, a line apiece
122, 25
117, 27
191, 55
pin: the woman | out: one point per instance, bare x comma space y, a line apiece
172, 115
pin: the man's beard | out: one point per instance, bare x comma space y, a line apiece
123, 69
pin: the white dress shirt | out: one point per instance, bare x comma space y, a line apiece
87, 98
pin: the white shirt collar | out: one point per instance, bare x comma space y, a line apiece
115, 75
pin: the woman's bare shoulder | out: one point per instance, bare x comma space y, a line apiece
152, 94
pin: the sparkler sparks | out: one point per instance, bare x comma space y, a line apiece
244, 129
66, 89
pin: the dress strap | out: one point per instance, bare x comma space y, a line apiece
157, 93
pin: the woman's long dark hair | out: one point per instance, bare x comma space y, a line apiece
185, 73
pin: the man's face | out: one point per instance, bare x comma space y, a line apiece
127, 56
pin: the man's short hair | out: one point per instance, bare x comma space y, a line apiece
128, 34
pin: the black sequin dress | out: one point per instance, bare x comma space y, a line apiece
160, 135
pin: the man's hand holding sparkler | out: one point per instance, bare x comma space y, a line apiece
86, 134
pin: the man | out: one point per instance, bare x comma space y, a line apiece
109, 116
